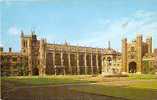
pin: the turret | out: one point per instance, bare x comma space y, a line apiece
22, 34
22, 42
42, 51
33, 35
109, 45
1, 49
149, 44
10, 50
139, 52
30, 56
124, 55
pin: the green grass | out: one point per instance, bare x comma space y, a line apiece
142, 87
151, 85
48, 80
142, 76
117, 91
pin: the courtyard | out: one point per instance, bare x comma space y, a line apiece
80, 87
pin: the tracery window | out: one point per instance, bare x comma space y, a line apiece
132, 49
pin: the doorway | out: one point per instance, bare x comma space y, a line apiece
132, 67
35, 71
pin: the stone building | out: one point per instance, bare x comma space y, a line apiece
155, 54
38, 57
53, 59
111, 61
12, 63
137, 55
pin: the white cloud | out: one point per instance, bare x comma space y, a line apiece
1, 45
13, 30
142, 22
113, 30
144, 14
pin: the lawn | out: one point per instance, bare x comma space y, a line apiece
134, 87
48, 80
122, 92
142, 76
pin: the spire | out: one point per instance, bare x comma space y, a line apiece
22, 34
109, 45
33, 31
66, 43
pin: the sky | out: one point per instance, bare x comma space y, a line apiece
79, 22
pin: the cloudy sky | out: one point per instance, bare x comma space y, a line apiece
79, 22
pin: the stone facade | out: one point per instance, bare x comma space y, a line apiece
155, 54
41, 58
137, 55
12, 63
111, 61
55, 59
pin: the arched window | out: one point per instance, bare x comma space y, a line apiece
109, 60
132, 56
132, 49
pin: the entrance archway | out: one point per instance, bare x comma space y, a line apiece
132, 67
35, 71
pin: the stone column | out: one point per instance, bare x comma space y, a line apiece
97, 63
85, 62
78, 67
92, 63
139, 53
42, 57
69, 63
62, 65
102, 62
149, 43
29, 44
124, 56
54, 65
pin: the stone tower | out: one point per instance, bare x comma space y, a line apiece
29, 49
26, 50
22, 42
136, 55
30, 56
149, 44
42, 52
124, 55
139, 53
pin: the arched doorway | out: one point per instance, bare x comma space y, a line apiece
35, 71
132, 67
